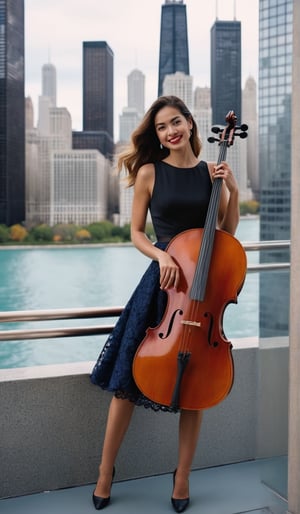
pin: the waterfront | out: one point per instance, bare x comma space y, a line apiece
53, 278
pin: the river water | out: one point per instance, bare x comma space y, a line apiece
53, 278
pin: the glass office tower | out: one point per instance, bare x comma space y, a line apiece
226, 92
98, 90
174, 50
275, 79
12, 112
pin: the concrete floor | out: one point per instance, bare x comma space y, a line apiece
230, 489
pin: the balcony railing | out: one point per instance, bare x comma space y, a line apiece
107, 312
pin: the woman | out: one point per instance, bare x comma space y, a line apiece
163, 166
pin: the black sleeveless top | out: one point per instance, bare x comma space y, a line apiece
180, 198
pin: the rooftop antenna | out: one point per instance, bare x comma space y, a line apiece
234, 10
216, 9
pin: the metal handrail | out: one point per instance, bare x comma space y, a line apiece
254, 246
55, 314
104, 312
266, 245
52, 333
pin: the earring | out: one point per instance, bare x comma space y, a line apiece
161, 146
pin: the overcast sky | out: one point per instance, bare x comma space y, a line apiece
55, 30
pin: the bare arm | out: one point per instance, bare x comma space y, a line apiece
169, 271
229, 209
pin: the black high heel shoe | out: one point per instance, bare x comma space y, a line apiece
99, 502
179, 505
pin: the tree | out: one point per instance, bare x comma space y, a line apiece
18, 233
101, 231
65, 231
250, 207
41, 233
4, 234
83, 235
126, 232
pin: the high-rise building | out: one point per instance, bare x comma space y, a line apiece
275, 90
136, 91
174, 48
129, 120
54, 133
98, 96
32, 166
180, 85
249, 107
202, 117
49, 82
226, 92
225, 70
133, 113
12, 112
93, 140
78, 187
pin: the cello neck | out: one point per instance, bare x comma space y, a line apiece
201, 273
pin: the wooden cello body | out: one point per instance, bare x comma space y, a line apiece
186, 361
190, 335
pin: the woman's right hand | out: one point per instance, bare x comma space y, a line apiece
169, 271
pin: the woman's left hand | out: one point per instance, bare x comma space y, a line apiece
223, 171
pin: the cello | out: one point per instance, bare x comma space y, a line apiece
186, 361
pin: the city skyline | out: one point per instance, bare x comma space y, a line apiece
138, 48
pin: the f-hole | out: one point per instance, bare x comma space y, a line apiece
171, 323
211, 323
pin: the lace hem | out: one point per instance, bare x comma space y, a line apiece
143, 401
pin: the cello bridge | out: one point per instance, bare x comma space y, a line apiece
191, 323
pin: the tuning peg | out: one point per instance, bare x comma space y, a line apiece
216, 130
212, 139
242, 128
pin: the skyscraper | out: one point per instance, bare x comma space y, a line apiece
12, 112
98, 96
275, 90
49, 82
136, 91
225, 70
250, 117
180, 85
226, 91
174, 49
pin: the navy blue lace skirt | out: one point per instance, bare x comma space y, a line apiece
145, 308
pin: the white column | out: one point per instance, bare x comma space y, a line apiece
294, 372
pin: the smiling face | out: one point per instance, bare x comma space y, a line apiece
173, 129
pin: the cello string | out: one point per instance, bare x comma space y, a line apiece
201, 274
200, 277
202, 268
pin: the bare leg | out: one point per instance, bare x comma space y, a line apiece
189, 428
119, 416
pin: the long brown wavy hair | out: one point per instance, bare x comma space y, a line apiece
145, 145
